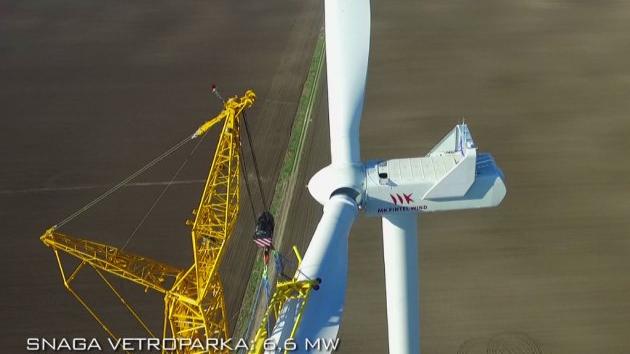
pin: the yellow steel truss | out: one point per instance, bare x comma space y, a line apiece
291, 290
194, 299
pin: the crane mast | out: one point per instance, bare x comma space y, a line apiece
195, 305
193, 297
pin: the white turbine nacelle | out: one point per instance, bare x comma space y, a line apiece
452, 176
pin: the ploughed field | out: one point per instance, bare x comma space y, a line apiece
90, 91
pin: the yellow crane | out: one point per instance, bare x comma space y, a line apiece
193, 297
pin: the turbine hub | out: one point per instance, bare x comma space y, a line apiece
348, 179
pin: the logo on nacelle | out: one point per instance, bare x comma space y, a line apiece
402, 199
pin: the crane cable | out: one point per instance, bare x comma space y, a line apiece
251, 149
124, 182
256, 171
159, 197
247, 188
279, 256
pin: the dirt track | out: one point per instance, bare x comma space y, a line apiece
544, 86
89, 92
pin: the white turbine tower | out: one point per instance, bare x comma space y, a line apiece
451, 176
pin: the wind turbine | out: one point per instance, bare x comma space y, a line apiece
451, 176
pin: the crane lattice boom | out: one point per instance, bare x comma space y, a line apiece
194, 298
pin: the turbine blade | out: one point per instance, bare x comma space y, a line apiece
347, 50
327, 259
400, 251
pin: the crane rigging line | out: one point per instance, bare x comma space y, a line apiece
265, 206
159, 197
251, 148
123, 182
245, 177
